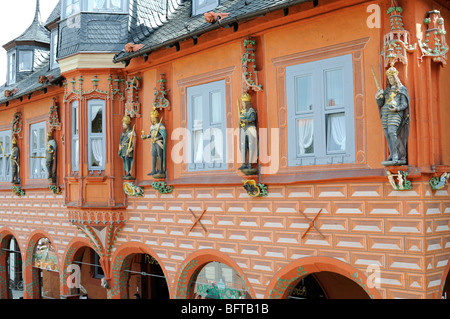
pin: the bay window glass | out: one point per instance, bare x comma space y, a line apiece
320, 111
38, 145
5, 150
75, 137
202, 6
96, 134
71, 7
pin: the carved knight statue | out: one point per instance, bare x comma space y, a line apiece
50, 158
15, 162
393, 104
248, 134
126, 146
158, 136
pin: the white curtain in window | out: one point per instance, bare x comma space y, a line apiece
305, 134
216, 145
338, 131
97, 151
198, 146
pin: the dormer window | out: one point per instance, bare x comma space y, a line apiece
202, 6
53, 49
11, 68
71, 7
25, 60
106, 5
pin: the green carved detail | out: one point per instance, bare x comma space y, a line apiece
17, 190
162, 187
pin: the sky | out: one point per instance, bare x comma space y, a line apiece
15, 17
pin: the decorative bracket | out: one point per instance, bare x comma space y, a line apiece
162, 187
403, 184
132, 190
17, 190
53, 117
101, 229
255, 189
439, 183
312, 223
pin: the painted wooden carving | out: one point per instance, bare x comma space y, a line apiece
158, 136
249, 72
160, 101
393, 104
439, 183
248, 136
127, 147
132, 105
402, 183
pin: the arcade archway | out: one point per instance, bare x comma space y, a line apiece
11, 274
320, 278
138, 274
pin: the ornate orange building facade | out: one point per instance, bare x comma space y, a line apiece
334, 226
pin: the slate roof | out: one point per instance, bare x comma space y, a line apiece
35, 32
30, 83
154, 23
181, 25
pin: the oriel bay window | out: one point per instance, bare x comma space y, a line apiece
38, 145
75, 137
206, 114
320, 112
5, 149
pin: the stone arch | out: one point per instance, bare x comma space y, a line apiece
69, 258
285, 280
31, 274
121, 260
194, 263
6, 235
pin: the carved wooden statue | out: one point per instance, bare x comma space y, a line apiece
50, 158
126, 146
15, 162
248, 135
393, 104
158, 136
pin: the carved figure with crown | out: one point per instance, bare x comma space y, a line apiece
158, 136
50, 157
15, 162
248, 136
126, 146
393, 104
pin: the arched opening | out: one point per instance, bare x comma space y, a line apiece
216, 280
211, 274
145, 278
45, 263
326, 285
86, 275
11, 269
321, 278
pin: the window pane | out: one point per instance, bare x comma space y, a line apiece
75, 119
336, 136
25, 60
197, 109
198, 146
304, 93
305, 136
334, 87
75, 154
42, 142
97, 152
96, 119
216, 145
216, 106
34, 141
